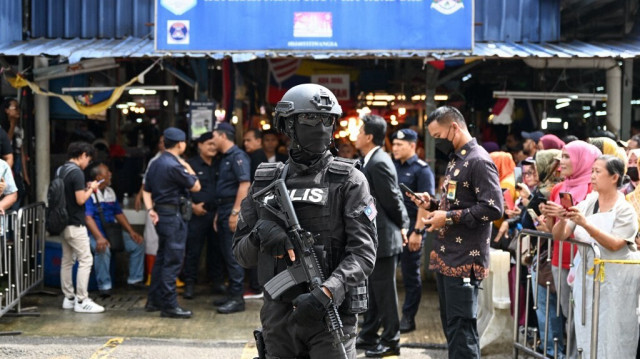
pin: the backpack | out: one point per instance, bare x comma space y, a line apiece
57, 217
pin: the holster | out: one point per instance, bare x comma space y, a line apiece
262, 352
186, 211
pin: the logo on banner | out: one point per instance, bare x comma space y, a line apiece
178, 7
447, 7
178, 32
312, 24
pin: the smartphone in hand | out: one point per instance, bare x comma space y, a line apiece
566, 200
408, 190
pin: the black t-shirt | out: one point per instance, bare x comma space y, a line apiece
73, 181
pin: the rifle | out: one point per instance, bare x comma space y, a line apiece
306, 268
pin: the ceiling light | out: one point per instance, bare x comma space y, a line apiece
141, 91
562, 105
441, 97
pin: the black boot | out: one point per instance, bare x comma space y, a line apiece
188, 291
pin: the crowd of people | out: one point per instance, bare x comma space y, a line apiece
486, 196
583, 191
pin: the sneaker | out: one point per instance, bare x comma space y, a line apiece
88, 306
253, 295
68, 303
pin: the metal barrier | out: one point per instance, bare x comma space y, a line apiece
9, 292
522, 345
22, 243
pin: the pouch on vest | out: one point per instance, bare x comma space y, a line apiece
356, 300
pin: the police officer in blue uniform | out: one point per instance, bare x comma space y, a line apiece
166, 196
232, 186
415, 174
204, 206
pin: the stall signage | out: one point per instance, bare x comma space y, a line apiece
295, 26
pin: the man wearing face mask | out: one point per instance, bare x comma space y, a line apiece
471, 199
332, 201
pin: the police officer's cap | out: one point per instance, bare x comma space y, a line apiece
406, 134
205, 137
174, 134
226, 127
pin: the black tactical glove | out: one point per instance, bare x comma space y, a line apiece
272, 238
309, 308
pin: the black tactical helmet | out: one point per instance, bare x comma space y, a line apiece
306, 98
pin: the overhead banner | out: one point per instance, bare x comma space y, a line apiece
369, 26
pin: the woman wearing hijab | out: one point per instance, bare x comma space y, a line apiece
544, 169
575, 166
632, 172
551, 142
607, 220
506, 171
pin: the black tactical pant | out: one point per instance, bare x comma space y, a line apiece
285, 339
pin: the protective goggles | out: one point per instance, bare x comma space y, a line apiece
312, 119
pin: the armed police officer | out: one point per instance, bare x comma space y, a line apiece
165, 195
332, 201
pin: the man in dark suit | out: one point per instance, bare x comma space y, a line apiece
392, 224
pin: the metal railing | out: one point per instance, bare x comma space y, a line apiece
523, 345
22, 243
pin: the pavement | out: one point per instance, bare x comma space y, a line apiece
125, 330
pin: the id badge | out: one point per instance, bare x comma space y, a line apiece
451, 190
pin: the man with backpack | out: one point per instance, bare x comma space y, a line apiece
75, 241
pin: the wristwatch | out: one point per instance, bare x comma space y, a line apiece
419, 230
235, 212
448, 221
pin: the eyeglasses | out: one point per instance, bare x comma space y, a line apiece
312, 119
528, 173
12, 108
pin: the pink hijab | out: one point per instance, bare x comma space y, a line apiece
582, 156
551, 142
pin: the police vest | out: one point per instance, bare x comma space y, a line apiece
318, 201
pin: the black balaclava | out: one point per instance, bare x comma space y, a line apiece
308, 143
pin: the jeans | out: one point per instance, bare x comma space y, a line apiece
102, 262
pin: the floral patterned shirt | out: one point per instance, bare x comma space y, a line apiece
472, 197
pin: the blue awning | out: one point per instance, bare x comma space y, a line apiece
76, 49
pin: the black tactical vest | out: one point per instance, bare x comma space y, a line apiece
318, 201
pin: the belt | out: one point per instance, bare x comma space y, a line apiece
167, 207
225, 200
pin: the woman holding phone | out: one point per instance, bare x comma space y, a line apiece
608, 220
575, 166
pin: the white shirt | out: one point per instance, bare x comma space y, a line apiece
368, 156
